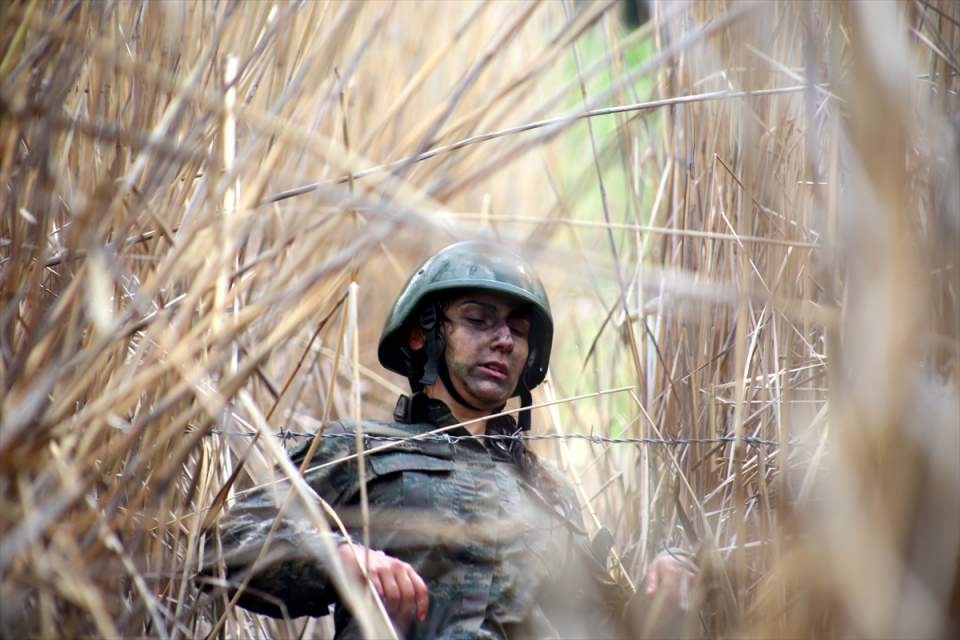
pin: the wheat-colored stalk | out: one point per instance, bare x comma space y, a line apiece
761, 201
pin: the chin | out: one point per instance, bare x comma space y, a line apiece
491, 400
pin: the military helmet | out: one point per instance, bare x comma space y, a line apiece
476, 265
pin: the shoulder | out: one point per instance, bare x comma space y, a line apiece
340, 438
336, 440
557, 478
555, 489
373, 427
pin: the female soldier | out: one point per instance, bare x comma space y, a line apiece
470, 535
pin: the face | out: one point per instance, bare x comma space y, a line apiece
486, 347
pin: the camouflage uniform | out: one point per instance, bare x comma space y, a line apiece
499, 560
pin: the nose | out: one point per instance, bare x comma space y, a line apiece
503, 338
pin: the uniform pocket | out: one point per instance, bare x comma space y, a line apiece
417, 493
397, 461
413, 478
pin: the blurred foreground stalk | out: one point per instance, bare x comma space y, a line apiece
765, 261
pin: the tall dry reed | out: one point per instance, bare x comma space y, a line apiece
747, 215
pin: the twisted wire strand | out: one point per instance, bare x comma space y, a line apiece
286, 434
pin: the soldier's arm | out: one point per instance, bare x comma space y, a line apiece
280, 561
671, 574
404, 592
591, 598
272, 551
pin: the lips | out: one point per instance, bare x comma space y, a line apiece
494, 369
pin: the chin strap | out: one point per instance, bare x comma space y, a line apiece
523, 418
436, 367
436, 364
448, 383
428, 322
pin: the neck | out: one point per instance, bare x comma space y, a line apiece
460, 412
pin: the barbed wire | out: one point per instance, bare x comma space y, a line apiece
286, 434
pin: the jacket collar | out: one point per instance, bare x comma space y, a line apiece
419, 408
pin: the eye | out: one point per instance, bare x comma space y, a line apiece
519, 327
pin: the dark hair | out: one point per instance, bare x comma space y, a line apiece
535, 473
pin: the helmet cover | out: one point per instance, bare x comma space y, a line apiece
479, 266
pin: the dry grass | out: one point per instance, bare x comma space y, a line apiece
775, 257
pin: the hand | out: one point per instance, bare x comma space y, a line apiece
672, 577
403, 590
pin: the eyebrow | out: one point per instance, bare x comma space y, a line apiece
479, 303
519, 312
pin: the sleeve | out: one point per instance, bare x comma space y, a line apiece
286, 571
588, 598
582, 597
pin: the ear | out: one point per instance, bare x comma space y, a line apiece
416, 339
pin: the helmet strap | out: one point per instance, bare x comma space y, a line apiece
411, 364
436, 364
523, 418
428, 322
448, 383
436, 367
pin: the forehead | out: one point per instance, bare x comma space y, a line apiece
488, 299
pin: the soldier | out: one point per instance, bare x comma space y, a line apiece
471, 536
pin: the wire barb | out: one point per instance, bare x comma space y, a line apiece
286, 434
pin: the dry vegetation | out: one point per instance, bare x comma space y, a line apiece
758, 257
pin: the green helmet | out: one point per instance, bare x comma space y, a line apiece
475, 265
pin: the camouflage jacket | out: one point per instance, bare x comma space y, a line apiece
499, 560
